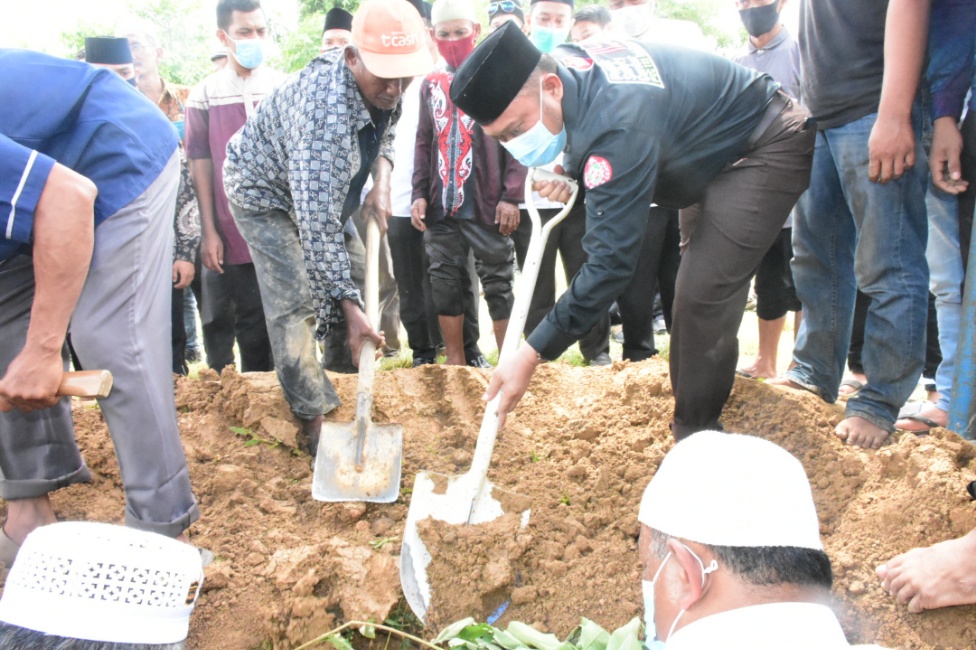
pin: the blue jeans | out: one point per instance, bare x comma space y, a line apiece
945, 281
849, 232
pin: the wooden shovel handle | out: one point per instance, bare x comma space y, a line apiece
86, 383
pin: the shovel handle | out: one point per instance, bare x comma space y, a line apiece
520, 311
367, 354
86, 383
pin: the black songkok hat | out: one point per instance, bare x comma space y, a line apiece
491, 77
337, 18
565, 2
107, 50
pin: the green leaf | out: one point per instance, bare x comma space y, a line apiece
453, 630
487, 645
241, 431
251, 443
533, 637
507, 641
368, 631
626, 637
338, 642
458, 642
592, 636
475, 632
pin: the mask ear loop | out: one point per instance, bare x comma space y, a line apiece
712, 566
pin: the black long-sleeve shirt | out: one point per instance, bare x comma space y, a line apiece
646, 123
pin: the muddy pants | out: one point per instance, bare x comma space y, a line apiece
122, 324
276, 250
724, 237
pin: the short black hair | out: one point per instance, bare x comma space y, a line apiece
594, 14
766, 565
226, 8
13, 637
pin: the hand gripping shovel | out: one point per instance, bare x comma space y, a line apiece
471, 498
360, 460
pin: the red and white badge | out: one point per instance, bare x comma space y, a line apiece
597, 172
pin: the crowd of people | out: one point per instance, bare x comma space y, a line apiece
831, 167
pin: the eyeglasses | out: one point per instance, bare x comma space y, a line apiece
505, 6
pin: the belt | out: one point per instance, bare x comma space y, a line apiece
776, 106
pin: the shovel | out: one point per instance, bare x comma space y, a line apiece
360, 460
471, 498
86, 383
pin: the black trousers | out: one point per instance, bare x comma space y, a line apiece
657, 267
725, 236
232, 309
933, 352
179, 335
967, 200
567, 240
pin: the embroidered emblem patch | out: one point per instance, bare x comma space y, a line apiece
597, 172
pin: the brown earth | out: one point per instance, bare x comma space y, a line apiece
582, 445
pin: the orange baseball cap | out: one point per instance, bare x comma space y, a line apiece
391, 38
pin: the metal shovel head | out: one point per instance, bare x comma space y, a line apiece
375, 478
449, 499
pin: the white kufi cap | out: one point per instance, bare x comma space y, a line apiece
105, 583
444, 10
726, 489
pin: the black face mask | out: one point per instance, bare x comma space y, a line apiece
760, 20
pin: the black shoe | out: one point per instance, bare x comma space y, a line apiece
193, 356
308, 437
479, 362
602, 359
424, 361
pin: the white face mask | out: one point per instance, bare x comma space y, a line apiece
651, 640
634, 20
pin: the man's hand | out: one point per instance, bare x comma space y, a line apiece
511, 379
891, 147
506, 217
377, 205
212, 250
358, 329
418, 212
183, 272
32, 380
944, 159
558, 191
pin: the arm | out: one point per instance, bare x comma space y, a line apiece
892, 142
513, 192
378, 205
421, 160
187, 229
63, 240
949, 74
211, 245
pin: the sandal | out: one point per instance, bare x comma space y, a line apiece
854, 385
929, 424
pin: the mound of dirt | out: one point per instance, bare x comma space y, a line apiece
582, 445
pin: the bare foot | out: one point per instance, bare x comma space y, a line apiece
859, 432
24, 515
941, 575
785, 382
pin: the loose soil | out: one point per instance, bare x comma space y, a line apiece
582, 445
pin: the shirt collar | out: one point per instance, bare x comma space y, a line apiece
772, 626
776, 42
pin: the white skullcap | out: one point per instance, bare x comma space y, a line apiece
726, 489
99, 582
444, 10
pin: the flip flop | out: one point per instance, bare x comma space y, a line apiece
929, 424
743, 373
8, 549
853, 384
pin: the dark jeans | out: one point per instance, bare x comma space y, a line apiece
179, 335
725, 236
657, 266
232, 309
567, 240
967, 200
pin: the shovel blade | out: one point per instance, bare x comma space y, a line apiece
449, 499
376, 479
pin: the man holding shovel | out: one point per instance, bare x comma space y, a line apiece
643, 123
88, 183
294, 175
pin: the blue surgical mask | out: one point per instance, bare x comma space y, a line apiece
250, 52
538, 146
547, 38
650, 628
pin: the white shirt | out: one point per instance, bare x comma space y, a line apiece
775, 626
404, 147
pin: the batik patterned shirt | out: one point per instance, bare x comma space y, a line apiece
298, 153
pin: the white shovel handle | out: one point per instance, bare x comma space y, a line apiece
520, 311
367, 355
